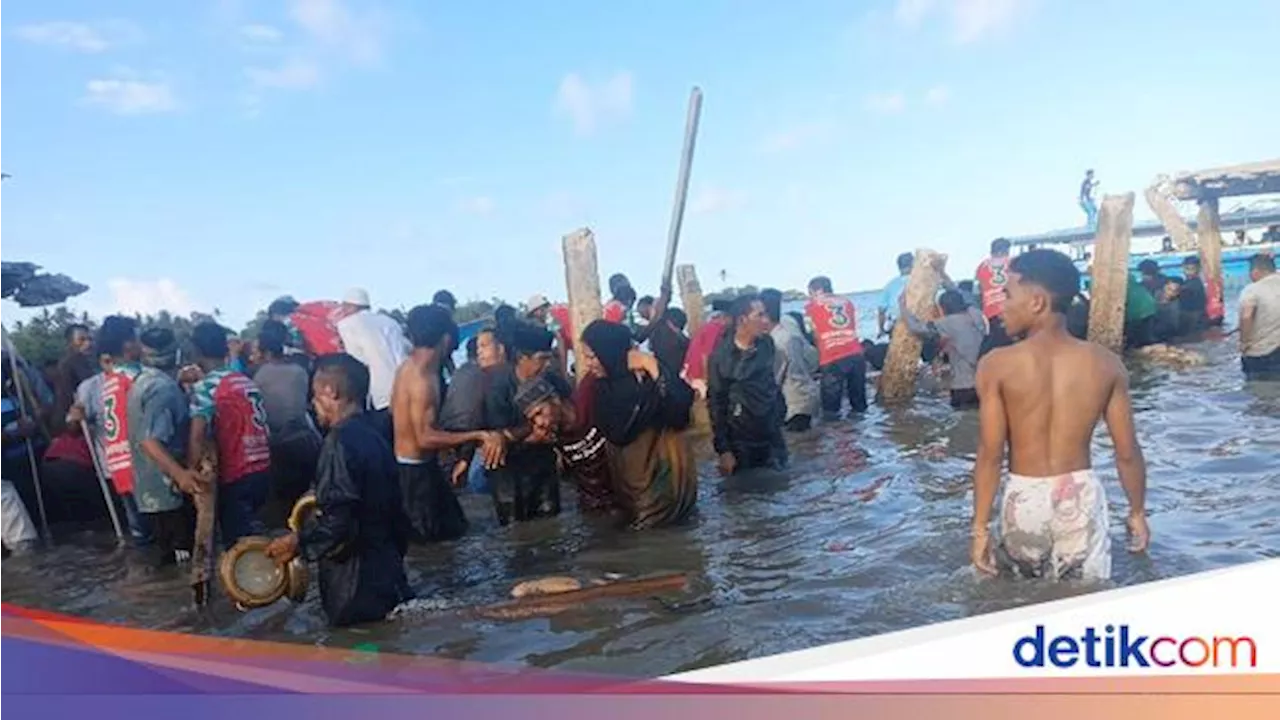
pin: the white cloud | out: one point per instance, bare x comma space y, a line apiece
80, 37
938, 95
887, 103
971, 20
292, 74
130, 96
797, 136
587, 104
129, 297
359, 36
478, 205
712, 199
260, 34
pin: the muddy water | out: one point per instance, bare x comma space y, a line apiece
868, 533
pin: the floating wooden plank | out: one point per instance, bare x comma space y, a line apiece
582, 276
902, 362
1249, 179
1111, 272
536, 605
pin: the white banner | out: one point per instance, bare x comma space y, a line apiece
1224, 621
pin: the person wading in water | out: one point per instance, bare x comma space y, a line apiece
1043, 397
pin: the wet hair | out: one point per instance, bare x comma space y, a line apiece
721, 305
1052, 271
528, 340
445, 298
617, 281
429, 324
348, 377
158, 338
952, 303
283, 307
625, 295
272, 337
646, 300
677, 318
905, 261
999, 246
116, 332
822, 283
1192, 260
72, 329
1149, 267
772, 300
742, 306
210, 340
1173, 279
1262, 262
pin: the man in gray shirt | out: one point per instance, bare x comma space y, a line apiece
295, 441
961, 330
795, 363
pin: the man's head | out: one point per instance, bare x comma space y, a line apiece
644, 306
617, 281
446, 300
1241, 237
1261, 265
1191, 266
1149, 269
281, 308
489, 352
749, 319
820, 285
118, 337
210, 342
1172, 286
905, 261
1088, 173
677, 318
720, 306
532, 348
272, 338
431, 327
356, 299
772, 300
78, 338
537, 307
1042, 284
1000, 247
339, 387
952, 303
504, 315
159, 348
537, 400
965, 286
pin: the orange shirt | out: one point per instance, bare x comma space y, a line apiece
992, 276
835, 328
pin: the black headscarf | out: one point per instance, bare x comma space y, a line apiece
624, 405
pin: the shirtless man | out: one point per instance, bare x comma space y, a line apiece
1044, 396
432, 507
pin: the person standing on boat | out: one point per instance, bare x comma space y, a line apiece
1260, 320
992, 276
1087, 201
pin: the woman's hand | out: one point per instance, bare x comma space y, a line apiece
283, 549
641, 362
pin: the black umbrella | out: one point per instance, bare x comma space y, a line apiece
26, 285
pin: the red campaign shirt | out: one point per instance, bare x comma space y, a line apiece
560, 313
71, 447
615, 312
317, 322
232, 404
992, 276
835, 328
115, 430
700, 347
1214, 309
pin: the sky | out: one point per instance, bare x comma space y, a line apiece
201, 155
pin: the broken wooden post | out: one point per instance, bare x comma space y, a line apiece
690, 297
1110, 272
902, 362
1209, 233
1158, 199
582, 276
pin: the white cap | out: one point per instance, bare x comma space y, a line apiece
357, 296
536, 301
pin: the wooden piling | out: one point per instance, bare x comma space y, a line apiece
1111, 272
1158, 200
582, 276
690, 297
1209, 234
902, 363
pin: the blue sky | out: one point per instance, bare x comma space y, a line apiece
196, 155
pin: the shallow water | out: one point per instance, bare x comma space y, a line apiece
867, 534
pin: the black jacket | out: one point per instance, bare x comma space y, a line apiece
743, 397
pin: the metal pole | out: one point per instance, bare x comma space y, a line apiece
682, 185
16, 373
102, 481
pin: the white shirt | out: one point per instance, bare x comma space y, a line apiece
377, 341
1264, 297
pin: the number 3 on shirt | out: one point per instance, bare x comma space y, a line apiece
259, 412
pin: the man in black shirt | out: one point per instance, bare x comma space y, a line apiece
743, 397
1192, 298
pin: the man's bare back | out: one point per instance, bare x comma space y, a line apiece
414, 390
1052, 391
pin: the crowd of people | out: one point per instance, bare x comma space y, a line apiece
374, 418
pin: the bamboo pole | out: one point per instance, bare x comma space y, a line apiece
582, 276
1158, 200
1111, 272
1209, 233
902, 362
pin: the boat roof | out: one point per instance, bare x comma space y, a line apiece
1241, 219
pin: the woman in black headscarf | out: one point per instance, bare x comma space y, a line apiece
642, 408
